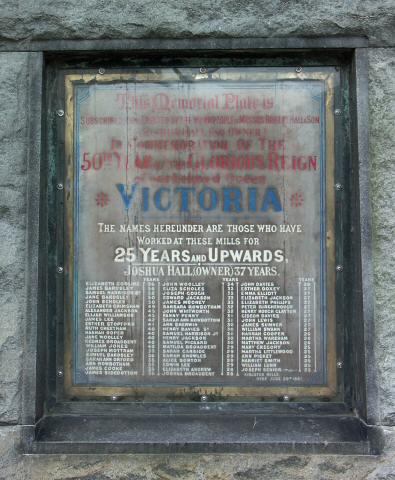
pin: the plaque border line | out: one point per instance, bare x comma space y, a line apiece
282, 73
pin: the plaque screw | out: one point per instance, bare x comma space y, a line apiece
59, 186
339, 268
60, 112
59, 373
59, 269
339, 364
298, 69
114, 398
286, 398
204, 398
102, 70
339, 186
203, 70
338, 111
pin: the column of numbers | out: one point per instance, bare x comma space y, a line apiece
307, 325
230, 333
151, 327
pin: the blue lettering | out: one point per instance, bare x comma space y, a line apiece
184, 197
232, 197
271, 198
252, 199
213, 199
158, 199
127, 199
145, 193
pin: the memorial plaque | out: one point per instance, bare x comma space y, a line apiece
200, 232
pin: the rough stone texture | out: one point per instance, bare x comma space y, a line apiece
10, 460
14, 94
389, 440
382, 154
117, 19
205, 467
187, 467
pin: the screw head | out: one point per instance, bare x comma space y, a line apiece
59, 186
339, 364
102, 70
338, 111
286, 398
59, 269
339, 268
60, 112
203, 70
204, 398
114, 398
338, 186
298, 69
59, 373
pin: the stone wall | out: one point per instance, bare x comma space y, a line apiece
382, 157
13, 148
24, 22
116, 19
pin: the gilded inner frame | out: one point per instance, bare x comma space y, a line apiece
187, 391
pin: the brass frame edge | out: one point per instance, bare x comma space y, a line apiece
328, 390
